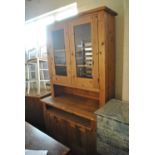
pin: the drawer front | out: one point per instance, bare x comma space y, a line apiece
81, 140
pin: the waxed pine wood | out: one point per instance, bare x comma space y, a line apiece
106, 33
69, 111
102, 22
71, 120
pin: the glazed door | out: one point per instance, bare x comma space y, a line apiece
84, 52
59, 54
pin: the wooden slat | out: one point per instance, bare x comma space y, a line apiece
111, 58
107, 54
95, 51
102, 63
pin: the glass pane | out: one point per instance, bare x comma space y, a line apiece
60, 70
44, 75
32, 71
43, 65
83, 50
59, 52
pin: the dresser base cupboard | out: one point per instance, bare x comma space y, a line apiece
74, 126
81, 61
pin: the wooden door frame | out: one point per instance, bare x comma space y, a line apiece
85, 82
58, 79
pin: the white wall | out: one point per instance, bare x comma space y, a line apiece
125, 92
37, 7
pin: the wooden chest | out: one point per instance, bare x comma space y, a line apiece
113, 128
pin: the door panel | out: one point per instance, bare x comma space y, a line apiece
60, 54
83, 43
83, 50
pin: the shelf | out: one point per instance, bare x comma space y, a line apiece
88, 44
84, 51
61, 65
88, 49
88, 54
88, 58
84, 66
79, 106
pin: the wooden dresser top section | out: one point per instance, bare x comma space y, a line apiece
76, 105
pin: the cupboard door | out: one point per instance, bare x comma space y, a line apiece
84, 52
59, 53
